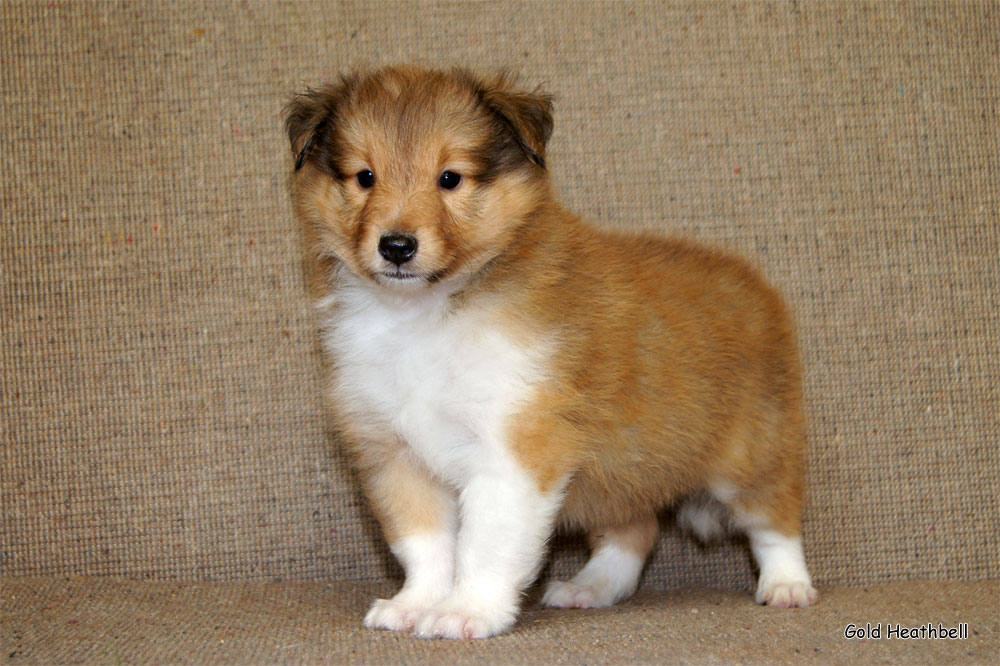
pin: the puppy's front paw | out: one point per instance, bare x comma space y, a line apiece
462, 621
563, 594
392, 615
786, 594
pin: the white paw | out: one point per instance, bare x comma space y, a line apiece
786, 594
457, 622
562, 594
610, 575
392, 615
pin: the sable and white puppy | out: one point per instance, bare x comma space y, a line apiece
499, 368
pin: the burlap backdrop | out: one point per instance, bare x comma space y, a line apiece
161, 416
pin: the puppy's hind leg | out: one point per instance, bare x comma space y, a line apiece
784, 580
612, 573
773, 525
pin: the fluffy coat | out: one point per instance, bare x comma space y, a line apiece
499, 367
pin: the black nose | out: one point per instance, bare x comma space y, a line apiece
397, 248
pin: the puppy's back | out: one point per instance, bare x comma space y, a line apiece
677, 367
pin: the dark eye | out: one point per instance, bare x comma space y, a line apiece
449, 180
366, 179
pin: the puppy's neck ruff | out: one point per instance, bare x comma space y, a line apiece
351, 293
442, 378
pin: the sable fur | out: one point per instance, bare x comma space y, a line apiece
655, 370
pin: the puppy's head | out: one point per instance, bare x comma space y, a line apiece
411, 177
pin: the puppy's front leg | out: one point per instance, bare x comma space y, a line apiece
418, 517
505, 521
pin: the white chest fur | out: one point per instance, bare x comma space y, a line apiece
446, 381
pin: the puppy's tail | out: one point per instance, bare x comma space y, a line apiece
705, 517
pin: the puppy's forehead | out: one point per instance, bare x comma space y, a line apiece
400, 114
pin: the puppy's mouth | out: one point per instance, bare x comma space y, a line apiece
400, 276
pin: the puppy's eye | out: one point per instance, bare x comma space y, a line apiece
449, 180
366, 179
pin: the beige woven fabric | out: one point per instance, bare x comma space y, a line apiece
161, 417
101, 621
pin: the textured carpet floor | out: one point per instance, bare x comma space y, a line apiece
96, 620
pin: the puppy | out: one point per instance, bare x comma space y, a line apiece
498, 368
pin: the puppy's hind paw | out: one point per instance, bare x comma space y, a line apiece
787, 594
563, 594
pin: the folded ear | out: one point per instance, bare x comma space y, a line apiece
527, 115
303, 115
310, 118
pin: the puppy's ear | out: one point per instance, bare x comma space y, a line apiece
527, 115
311, 116
303, 116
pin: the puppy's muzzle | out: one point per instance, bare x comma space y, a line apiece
397, 248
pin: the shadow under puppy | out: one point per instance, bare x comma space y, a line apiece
498, 367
